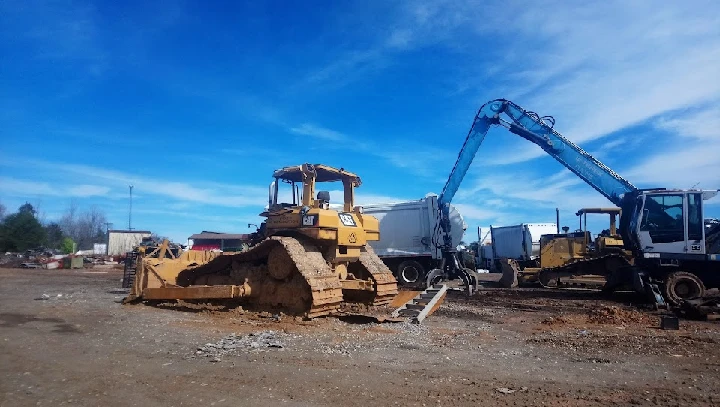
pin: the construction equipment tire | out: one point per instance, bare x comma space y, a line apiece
435, 276
681, 286
410, 271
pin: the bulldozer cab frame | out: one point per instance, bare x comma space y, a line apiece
308, 175
613, 212
601, 241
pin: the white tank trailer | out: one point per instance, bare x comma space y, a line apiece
408, 231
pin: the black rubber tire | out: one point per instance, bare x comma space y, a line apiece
410, 272
680, 286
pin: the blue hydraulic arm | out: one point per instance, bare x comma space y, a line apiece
531, 127
538, 130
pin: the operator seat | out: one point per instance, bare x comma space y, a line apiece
323, 198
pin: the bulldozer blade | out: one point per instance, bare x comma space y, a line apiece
194, 292
403, 297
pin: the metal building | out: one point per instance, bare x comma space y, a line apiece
123, 241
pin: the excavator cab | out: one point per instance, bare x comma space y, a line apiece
671, 222
667, 233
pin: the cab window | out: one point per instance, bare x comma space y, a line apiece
695, 221
663, 218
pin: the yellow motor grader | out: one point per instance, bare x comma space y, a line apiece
306, 258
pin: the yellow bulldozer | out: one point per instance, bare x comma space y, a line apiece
577, 256
573, 258
306, 258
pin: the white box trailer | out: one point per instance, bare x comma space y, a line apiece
409, 232
520, 242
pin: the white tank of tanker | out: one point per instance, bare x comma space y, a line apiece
406, 235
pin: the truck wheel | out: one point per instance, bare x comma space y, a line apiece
680, 286
409, 272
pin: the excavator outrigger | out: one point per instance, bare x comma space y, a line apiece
675, 257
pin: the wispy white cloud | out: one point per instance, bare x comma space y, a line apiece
516, 155
210, 193
563, 59
682, 168
703, 125
421, 160
595, 87
563, 190
228, 222
88, 190
365, 198
10, 186
65, 31
479, 212
407, 27
612, 144
308, 129
346, 67
688, 159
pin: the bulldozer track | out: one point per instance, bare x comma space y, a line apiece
321, 293
385, 282
595, 266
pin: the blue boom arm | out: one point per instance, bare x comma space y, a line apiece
531, 127
538, 130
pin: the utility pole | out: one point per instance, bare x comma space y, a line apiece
130, 213
107, 236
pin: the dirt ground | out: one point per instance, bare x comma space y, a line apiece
65, 339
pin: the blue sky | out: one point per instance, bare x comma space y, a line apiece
195, 103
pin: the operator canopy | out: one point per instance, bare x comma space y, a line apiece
323, 173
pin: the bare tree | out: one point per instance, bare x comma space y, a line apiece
154, 236
85, 228
3, 210
91, 225
68, 222
40, 214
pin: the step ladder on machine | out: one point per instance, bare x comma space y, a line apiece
419, 307
130, 269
